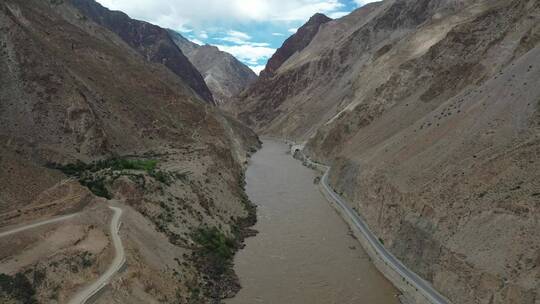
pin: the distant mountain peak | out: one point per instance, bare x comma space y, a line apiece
296, 43
318, 18
225, 75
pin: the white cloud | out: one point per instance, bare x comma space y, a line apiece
257, 68
364, 2
239, 35
234, 40
292, 30
337, 15
184, 30
282, 10
259, 44
197, 41
248, 53
295, 12
209, 20
178, 14
241, 38
203, 35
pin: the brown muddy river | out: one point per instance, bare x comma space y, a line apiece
303, 253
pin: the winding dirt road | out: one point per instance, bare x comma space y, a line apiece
38, 224
85, 294
89, 291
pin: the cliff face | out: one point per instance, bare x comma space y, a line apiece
223, 73
151, 41
426, 112
86, 121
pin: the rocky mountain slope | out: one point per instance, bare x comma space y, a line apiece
428, 112
151, 41
88, 121
224, 74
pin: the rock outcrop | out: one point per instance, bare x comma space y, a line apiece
224, 74
428, 113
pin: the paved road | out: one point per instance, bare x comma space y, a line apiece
412, 278
37, 224
84, 295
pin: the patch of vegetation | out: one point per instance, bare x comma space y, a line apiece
241, 228
195, 295
215, 247
115, 164
97, 186
162, 176
137, 164
17, 287
87, 259
214, 256
97, 174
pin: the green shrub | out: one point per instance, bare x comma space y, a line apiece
75, 169
116, 163
215, 246
87, 259
97, 186
135, 164
120, 163
17, 287
161, 176
89, 174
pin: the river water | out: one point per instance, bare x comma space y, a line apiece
303, 253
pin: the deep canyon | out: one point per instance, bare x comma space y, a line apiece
130, 156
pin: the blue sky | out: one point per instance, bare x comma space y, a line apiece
251, 30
